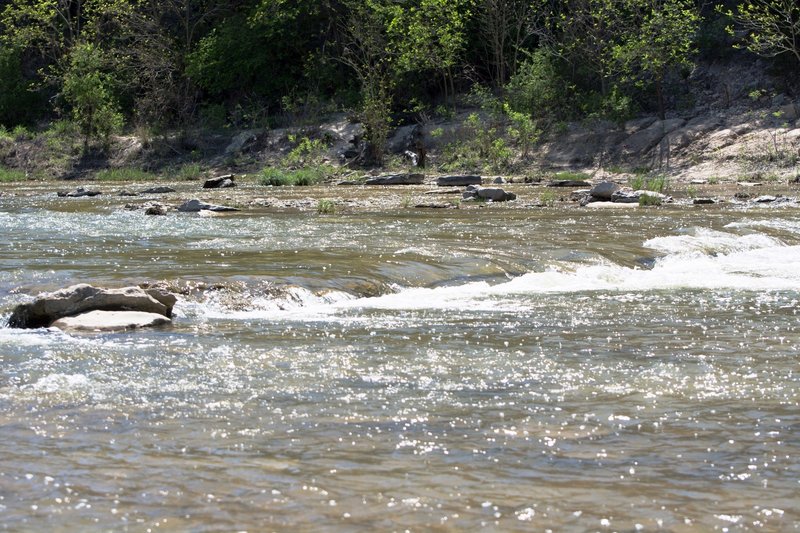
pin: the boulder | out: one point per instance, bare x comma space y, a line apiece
195, 206
82, 298
493, 194
604, 190
156, 210
108, 321
624, 197
158, 190
220, 182
397, 179
80, 192
644, 140
765, 199
458, 181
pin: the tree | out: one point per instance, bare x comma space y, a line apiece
366, 51
505, 27
429, 35
659, 38
772, 27
88, 90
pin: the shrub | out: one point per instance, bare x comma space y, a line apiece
8, 175
326, 207
124, 174
301, 177
649, 200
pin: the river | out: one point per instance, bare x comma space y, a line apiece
573, 370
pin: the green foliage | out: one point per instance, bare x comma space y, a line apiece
124, 174
548, 198
19, 104
649, 200
87, 88
771, 27
655, 183
326, 207
188, 172
8, 175
278, 177
306, 152
538, 89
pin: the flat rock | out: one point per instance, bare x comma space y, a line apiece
82, 298
704, 201
195, 206
435, 205
80, 192
220, 182
569, 183
644, 140
442, 192
108, 321
765, 199
458, 181
158, 190
610, 205
397, 179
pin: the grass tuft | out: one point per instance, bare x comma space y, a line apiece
300, 177
8, 175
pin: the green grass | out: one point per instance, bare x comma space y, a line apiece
124, 174
326, 207
657, 183
300, 177
8, 176
567, 175
188, 172
649, 200
548, 198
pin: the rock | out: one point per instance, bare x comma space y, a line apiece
82, 298
80, 192
458, 181
765, 199
108, 321
493, 194
579, 195
698, 182
220, 182
128, 193
604, 190
569, 183
599, 205
741, 196
195, 206
241, 141
499, 180
156, 210
624, 197
704, 201
435, 206
442, 192
644, 140
397, 179
158, 190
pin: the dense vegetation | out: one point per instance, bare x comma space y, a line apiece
104, 65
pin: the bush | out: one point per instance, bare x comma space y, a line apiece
124, 174
326, 207
7, 175
301, 177
538, 89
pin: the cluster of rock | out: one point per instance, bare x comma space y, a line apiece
608, 192
84, 307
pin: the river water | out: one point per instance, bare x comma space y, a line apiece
576, 370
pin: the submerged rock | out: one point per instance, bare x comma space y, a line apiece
82, 298
111, 321
195, 206
158, 190
156, 210
397, 179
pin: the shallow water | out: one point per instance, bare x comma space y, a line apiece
513, 370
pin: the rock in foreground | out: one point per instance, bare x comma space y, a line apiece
79, 299
195, 206
111, 321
